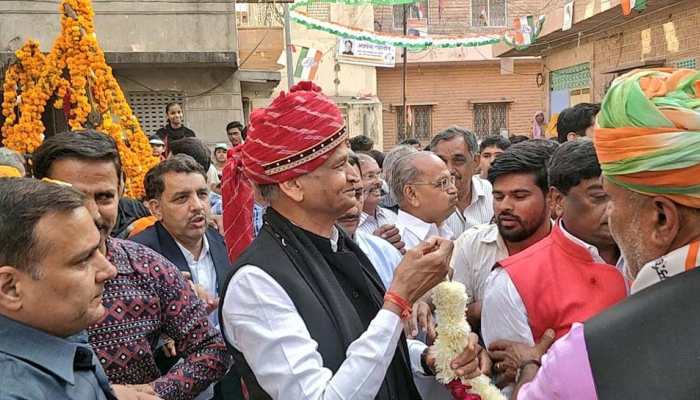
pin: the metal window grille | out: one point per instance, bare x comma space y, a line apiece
690, 63
420, 125
489, 13
416, 11
490, 119
319, 10
149, 108
574, 77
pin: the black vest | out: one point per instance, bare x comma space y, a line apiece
648, 346
268, 253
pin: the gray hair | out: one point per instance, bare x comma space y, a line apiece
453, 132
268, 191
403, 173
12, 158
389, 161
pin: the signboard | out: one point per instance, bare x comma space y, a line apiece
359, 52
568, 16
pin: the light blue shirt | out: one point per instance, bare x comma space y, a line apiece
384, 257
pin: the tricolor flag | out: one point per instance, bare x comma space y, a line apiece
307, 63
524, 27
628, 5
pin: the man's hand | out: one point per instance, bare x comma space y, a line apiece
391, 234
211, 302
217, 222
508, 356
135, 392
485, 363
421, 319
422, 268
466, 364
169, 347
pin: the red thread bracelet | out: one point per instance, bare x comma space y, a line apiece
403, 304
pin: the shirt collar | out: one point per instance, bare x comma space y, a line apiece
478, 192
491, 234
52, 353
421, 228
335, 236
592, 250
189, 256
478, 189
673, 263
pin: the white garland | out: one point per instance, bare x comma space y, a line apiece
413, 43
450, 300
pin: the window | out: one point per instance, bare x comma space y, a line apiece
690, 63
319, 10
149, 108
574, 77
420, 123
489, 13
490, 119
417, 11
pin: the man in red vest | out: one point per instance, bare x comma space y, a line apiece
565, 278
521, 219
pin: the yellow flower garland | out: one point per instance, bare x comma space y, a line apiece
90, 88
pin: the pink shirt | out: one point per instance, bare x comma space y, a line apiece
565, 372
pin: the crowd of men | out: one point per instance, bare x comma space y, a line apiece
295, 262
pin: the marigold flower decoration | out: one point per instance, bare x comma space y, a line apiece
75, 73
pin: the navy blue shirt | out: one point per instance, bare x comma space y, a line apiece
35, 365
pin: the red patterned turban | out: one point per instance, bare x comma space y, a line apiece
293, 136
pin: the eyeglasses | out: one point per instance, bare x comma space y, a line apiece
443, 184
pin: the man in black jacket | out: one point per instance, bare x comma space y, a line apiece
177, 192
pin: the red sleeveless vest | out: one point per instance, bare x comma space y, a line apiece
560, 283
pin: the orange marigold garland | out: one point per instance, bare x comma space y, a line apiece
75, 71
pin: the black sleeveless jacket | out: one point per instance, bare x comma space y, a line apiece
648, 346
286, 254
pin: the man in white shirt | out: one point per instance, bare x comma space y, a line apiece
304, 313
426, 193
376, 220
457, 147
522, 219
574, 263
178, 196
384, 257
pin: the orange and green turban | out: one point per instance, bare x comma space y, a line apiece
648, 134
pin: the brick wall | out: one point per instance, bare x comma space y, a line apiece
453, 88
453, 16
621, 45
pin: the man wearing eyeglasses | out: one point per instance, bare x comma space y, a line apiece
457, 147
384, 257
426, 193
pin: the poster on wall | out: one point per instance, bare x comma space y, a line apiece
359, 52
568, 15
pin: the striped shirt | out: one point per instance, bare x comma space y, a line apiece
479, 211
381, 217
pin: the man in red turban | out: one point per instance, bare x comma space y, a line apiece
304, 312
